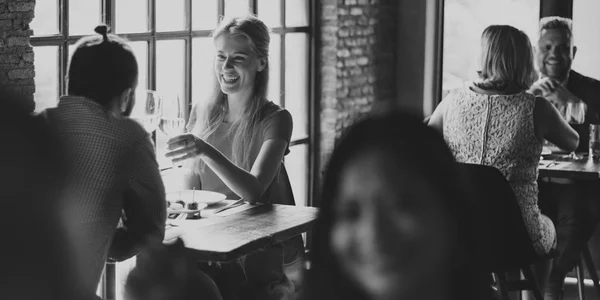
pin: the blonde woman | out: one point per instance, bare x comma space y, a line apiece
237, 140
495, 122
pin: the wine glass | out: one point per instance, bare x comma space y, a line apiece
147, 109
172, 122
574, 114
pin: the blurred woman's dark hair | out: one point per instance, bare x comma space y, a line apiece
36, 253
422, 149
102, 67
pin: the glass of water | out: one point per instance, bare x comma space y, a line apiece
594, 141
574, 114
172, 122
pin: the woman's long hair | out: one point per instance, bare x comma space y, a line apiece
506, 59
207, 117
405, 139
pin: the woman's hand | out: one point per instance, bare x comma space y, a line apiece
186, 146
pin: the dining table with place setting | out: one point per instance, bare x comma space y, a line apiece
220, 230
229, 229
582, 169
557, 163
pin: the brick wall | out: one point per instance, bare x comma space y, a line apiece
357, 64
16, 54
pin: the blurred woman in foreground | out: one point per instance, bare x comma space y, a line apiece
394, 223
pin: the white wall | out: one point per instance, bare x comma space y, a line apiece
586, 31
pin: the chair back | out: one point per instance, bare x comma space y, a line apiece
501, 238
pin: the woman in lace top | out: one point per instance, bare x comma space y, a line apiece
495, 122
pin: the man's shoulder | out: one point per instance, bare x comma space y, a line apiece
95, 122
584, 87
576, 78
131, 127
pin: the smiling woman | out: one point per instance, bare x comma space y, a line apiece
237, 64
236, 144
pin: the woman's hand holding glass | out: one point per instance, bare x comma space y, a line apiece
185, 146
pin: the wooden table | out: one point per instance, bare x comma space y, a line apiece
587, 169
226, 238
232, 233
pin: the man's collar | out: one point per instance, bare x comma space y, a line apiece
71, 100
564, 82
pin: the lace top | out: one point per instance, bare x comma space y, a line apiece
498, 131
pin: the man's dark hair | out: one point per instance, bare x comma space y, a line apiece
554, 22
102, 67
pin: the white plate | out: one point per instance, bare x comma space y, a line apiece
187, 196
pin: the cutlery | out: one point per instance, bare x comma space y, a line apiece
232, 205
179, 217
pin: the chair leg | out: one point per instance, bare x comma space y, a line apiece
589, 263
580, 280
501, 278
535, 288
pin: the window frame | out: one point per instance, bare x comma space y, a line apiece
63, 40
563, 8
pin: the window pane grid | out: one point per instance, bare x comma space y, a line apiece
463, 28
152, 30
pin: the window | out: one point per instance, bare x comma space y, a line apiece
585, 34
175, 53
465, 20
171, 41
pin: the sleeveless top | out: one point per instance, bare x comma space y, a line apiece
498, 131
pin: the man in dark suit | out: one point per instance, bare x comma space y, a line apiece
570, 204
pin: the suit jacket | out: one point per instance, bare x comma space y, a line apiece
588, 90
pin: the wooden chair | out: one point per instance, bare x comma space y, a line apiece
503, 244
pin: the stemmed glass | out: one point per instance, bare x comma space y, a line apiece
172, 122
574, 114
147, 109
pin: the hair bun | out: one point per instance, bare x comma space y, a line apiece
102, 30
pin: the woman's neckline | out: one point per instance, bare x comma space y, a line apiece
474, 89
267, 102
